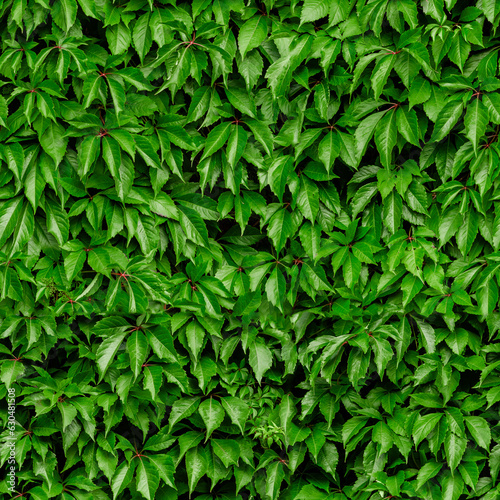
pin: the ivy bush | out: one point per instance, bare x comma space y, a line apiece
250, 250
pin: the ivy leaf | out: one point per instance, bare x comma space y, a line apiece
107, 351
476, 121
260, 359
424, 425
329, 149
64, 14
54, 142
182, 408
480, 431
147, 479
212, 414
381, 74
385, 137
448, 118
141, 36
314, 10
216, 139
252, 34
137, 347
122, 478
308, 198
280, 227
237, 410
196, 465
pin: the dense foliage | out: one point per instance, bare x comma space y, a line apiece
250, 250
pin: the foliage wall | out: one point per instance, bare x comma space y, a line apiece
250, 250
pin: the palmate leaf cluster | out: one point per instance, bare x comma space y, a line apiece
250, 250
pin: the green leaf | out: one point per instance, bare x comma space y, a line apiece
494, 461
122, 478
182, 408
381, 74
242, 101
73, 264
88, 153
64, 13
119, 38
141, 36
278, 173
227, 450
476, 121
260, 359
428, 335
262, 134
236, 145
137, 348
487, 298
112, 155
455, 448
196, 466
363, 197
107, 350
329, 149
164, 466
216, 139
57, 222
54, 142
193, 226
212, 414
275, 476
147, 479
9, 215
453, 486
24, 228
392, 210
314, 10
147, 152
308, 198
365, 132
117, 94
427, 472
424, 425
385, 137
480, 431
252, 34
280, 228
467, 232
407, 123
237, 410
447, 119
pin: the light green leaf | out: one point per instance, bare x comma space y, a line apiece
386, 137
480, 431
196, 466
112, 155
107, 351
308, 198
64, 13
216, 139
447, 119
280, 228
314, 10
212, 414
381, 73
476, 121
54, 142
137, 348
182, 408
141, 36
252, 34
260, 359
